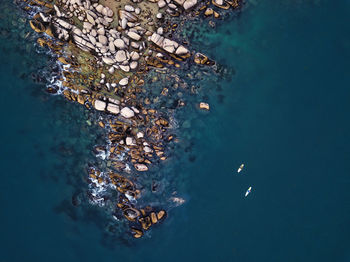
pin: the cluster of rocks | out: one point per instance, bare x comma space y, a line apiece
109, 42
97, 35
137, 147
168, 45
174, 7
186, 4
123, 43
125, 136
140, 219
112, 105
119, 38
221, 4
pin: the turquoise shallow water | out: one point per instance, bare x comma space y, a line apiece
284, 114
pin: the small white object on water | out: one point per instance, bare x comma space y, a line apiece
248, 191
240, 168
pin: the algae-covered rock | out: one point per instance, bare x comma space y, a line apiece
37, 26
203, 105
154, 218
137, 233
161, 215
131, 213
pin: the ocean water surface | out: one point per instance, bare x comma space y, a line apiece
283, 111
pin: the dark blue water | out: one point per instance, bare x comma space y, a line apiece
284, 114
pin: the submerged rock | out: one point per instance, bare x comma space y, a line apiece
161, 215
203, 105
131, 213
137, 233
37, 26
154, 218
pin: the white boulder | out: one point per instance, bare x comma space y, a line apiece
119, 43
181, 50
129, 141
134, 55
141, 167
102, 39
100, 105
188, 4
127, 112
129, 8
120, 56
108, 60
124, 81
134, 35
112, 108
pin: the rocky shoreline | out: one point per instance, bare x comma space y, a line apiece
107, 50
